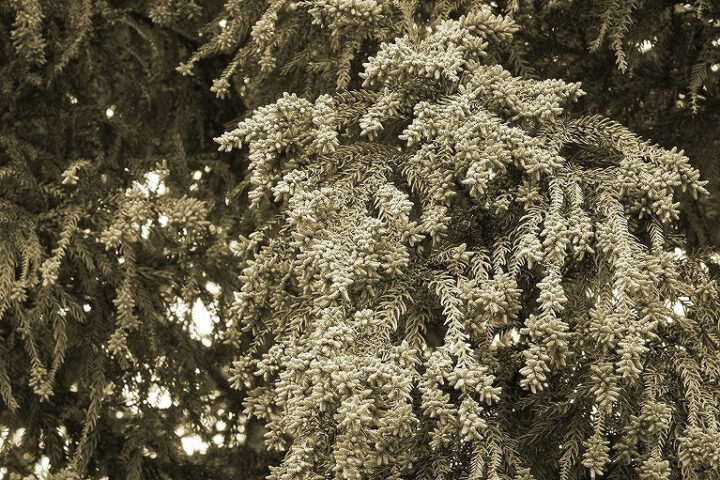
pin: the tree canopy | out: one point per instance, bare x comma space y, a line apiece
439, 239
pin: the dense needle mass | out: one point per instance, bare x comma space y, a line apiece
426, 248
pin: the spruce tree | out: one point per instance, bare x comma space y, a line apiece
427, 256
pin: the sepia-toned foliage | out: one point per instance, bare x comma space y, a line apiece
112, 223
432, 252
452, 279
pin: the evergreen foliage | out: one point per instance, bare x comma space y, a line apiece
427, 257
455, 278
106, 228
653, 66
